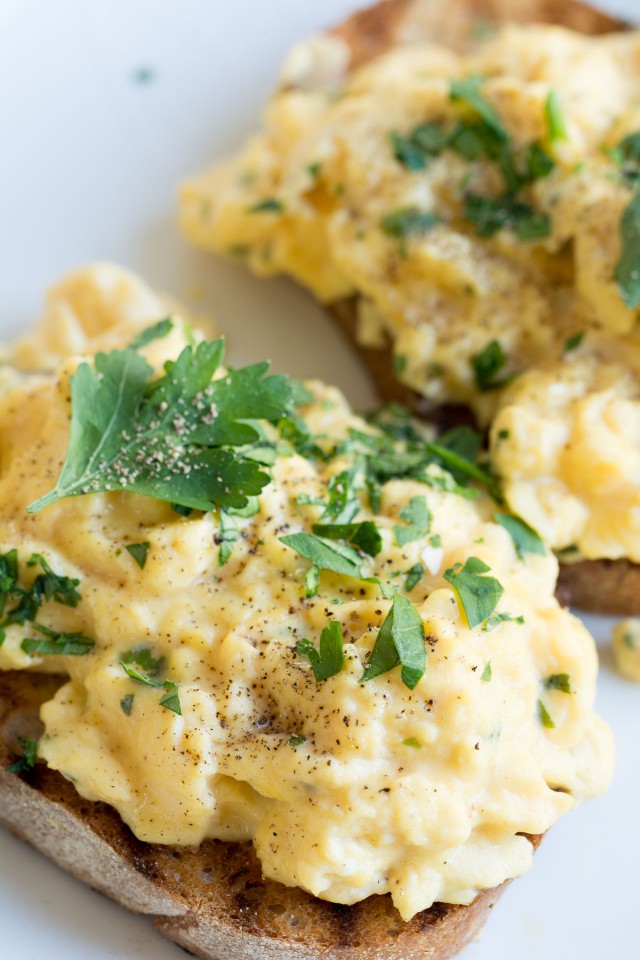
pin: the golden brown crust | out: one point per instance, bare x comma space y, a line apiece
211, 899
602, 586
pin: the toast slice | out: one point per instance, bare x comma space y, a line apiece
603, 586
211, 900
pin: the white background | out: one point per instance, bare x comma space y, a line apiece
89, 161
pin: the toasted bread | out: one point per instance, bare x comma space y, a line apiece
212, 899
604, 586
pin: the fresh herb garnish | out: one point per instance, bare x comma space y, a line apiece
544, 716
491, 214
268, 205
627, 157
486, 673
487, 365
524, 537
155, 332
228, 534
328, 661
424, 142
400, 640
497, 618
144, 658
127, 704
412, 742
296, 740
413, 576
139, 552
325, 554
627, 272
558, 681
556, 127
363, 535
408, 222
170, 699
468, 91
418, 517
574, 341
177, 438
56, 643
477, 593
27, 761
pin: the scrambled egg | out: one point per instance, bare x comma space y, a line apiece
346, 788
315, 196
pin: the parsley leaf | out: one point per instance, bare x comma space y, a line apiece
487, 365
155, 332
556, 127
228, 534
175, 438
497, 618
56, 643
342, 504
468, 91
627, 273
486, 673
418, 516
477, 593
139, 552
412, 742
574, 341
400, 640
170, 700
408, 222
558, 681
544, 717
268, 205
127, 704
423, 142
142, 657
297, 740
330, 659
363, 535
27, 761
627, 157
491, 214
324, 554
524, 537
413, 576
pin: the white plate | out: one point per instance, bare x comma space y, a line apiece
89, 159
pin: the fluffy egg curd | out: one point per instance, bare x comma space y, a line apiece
361, 669
482, 208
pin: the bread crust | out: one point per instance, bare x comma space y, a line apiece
212, 899
602, 586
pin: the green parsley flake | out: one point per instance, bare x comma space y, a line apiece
487, 365
297, 740
400, 640
491, 214
155, 332
408, 222
329, 660
268, 205
27, 761
558, 681
324, 553
139, 552
574, 341
413, 576
127, 704
468, 91
544, 717
412, 742
627, 272
363, 535
174, 438
170, 699
497, 618
477, 593
54, 643
418, 517
486, 673
556, 127
524, 537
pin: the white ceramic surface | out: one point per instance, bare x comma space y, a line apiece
89, 159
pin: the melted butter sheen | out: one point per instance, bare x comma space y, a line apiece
353, 810
443, 295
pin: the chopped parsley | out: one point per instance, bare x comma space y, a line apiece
524, 537
627, 157
27, 761
544, 716
574, 341
400, 640
408, 222
418, 517
139, 552
627, 272
57, 644
412, 742
468, 91
491, 214
155, 332
556, 127
497, 618
143, 658
181, 438
297, 740
488, 364
477, 593
424, 142
127, 704
363, 535
413, 576
325, 554
268, 205
486, 673
329, 660
558, 681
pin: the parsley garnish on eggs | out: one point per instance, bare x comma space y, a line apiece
181, 437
